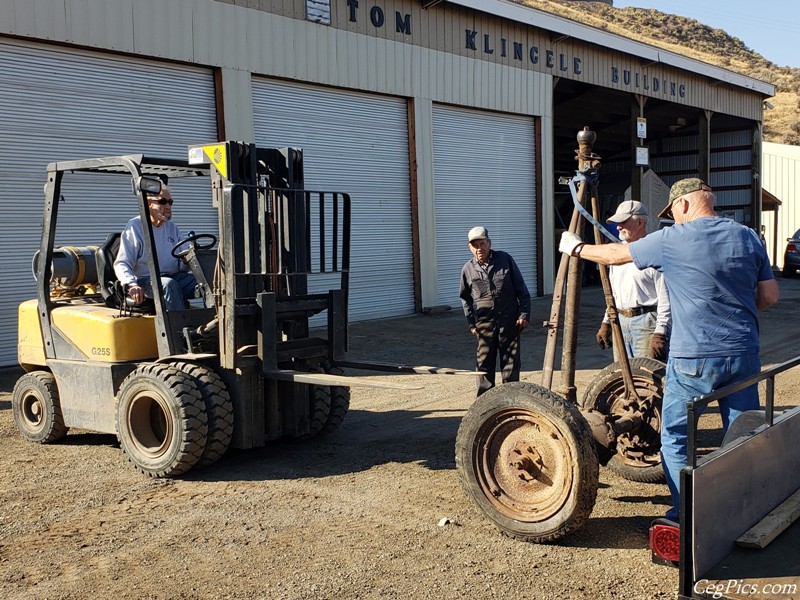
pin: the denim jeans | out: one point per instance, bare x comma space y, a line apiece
178, 288
636, 333
686, 379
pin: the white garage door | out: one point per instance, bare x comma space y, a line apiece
355, 143
60, 104
484, 167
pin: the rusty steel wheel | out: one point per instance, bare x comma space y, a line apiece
638, 456
526, 458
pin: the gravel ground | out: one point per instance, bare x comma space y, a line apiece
353, 515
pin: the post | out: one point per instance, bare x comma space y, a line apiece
587, 161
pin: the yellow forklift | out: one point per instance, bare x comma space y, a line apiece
239, 365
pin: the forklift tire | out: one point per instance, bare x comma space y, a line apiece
340, 403
36, 408
637, 458
319, 400
319, 405
526, 457
161, 420
219, 409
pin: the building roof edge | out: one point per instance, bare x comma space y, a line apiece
562, 26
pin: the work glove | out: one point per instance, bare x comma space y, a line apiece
604, 336
658, 347
569, 243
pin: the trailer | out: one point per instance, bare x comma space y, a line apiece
739, 536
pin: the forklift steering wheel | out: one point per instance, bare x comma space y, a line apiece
192, 239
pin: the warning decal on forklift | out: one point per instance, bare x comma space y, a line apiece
219, 157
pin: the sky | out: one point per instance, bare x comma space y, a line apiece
769, 27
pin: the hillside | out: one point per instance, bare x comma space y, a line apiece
696, 40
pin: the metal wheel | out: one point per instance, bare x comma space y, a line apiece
638, 455
526, 458
37, 409
219, 409
161, 420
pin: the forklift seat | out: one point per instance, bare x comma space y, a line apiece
110, 287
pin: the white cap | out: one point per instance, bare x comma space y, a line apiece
626, 210
478, 233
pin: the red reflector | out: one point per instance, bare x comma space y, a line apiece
665, 542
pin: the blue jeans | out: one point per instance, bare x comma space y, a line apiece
686, 379
178, 288
636, 333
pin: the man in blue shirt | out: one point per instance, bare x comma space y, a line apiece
497, 306
718, 276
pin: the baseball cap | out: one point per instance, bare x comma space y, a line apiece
478, 233
680, 189
626, 210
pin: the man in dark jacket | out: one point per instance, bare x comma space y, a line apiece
497, 305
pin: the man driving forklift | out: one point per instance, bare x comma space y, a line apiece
131, 267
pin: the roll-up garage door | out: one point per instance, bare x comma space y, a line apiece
484, 167
61, 104
355, 143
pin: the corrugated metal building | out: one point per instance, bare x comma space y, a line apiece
781, 177
434, 115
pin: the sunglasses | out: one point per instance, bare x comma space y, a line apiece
162, 201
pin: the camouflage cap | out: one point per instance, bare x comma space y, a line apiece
680, 189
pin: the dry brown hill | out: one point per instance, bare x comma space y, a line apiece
696, 40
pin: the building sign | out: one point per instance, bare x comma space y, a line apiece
510, 51
520, 53
642, 156
377, 17
641, 127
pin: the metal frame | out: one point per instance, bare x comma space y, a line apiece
686, 567
135, 165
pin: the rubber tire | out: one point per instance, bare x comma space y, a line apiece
219, 410
572, 460
319, 404
340, 402
319, 400
37, 392
648, 376
161, 420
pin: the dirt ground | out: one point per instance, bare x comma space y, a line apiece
352, 515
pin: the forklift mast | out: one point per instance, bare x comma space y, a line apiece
273, 236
